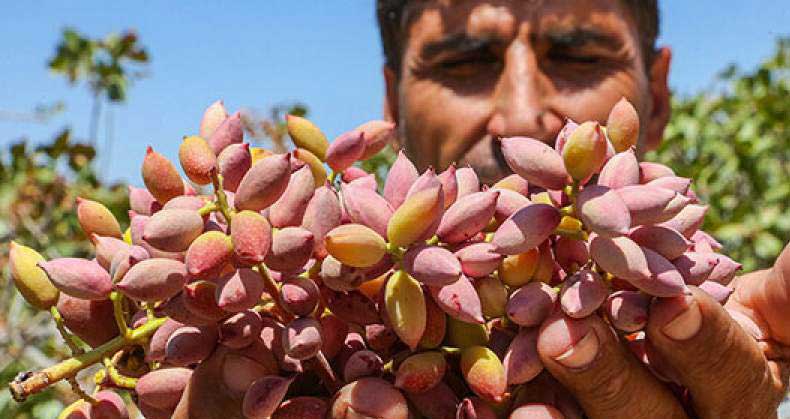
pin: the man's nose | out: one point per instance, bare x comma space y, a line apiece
521, 98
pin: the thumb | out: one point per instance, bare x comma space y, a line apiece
217, 386
767, 295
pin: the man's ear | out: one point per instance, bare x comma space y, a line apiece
660, 97
391, 98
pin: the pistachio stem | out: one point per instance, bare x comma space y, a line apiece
116, 377
274, 291
75, 347
222, 199
117, 311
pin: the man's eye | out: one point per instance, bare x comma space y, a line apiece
467, 66
574, 58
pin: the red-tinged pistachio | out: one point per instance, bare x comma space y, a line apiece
107, 248
95, 218
436, 403
188, 202
627, 310
688, 220
160, 177
621, 257
334, 334
153, 279
405, 307
263, 184
449, 185
369, 397
717, 291
468, 182
493, 296
176, 309
190, 344
522, 362
233, 163
377, 135
230, 131
603, 210
536, 162
647, 204
361, 364
478, 259
459, 300
696, 267
315, 164
137, 230
109, 405
526, 228
155, 351
197, 159
323, 214
302, 338
474, 408
199, 298
568, 252
622, 126
673, 183
162, 388
381, 338
212, 118
307, 135
463, 335
365, 206
401, 176
665, 280
339, 277
291, 249
663, 240
529, 305
299, 295
355, 245
353, 173
239, 330
251, 236
208, 255
508, 203
418, 217
302, 407
80, 409
701, 237
345, 150
173, 230
484, 373
649, 171
289, 209
421, 372
432, 265
535, 411
725, 270
621, 170
271, 347
142, 202
564, 134
31, 281
91, 321
425, 181
513, 183
467, 217
516, 270
367, 181
351, 307
239, 291
435, 324
582, 293
353, 343
80, 278
584, 152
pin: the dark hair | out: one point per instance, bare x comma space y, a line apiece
394, 16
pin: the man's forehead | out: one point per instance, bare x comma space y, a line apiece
502, 19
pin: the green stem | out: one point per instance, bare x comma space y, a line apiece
208, 208
117, 311
432, 241
333, 177
117, 378
222, 199
75, 347
30, 383
274, 291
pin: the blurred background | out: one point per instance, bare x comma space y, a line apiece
85, 87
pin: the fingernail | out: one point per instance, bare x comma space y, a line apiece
687, 322
238, 372
570, 342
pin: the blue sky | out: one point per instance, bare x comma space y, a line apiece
325, 53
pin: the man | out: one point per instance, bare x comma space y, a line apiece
460, 73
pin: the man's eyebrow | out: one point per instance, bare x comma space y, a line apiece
578, 37
457, 43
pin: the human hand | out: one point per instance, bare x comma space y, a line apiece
729, 370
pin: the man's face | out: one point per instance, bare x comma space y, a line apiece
474, 70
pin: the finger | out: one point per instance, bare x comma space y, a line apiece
217, 386
607, 380
545, 389
767, 294
720, 364
536, 411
